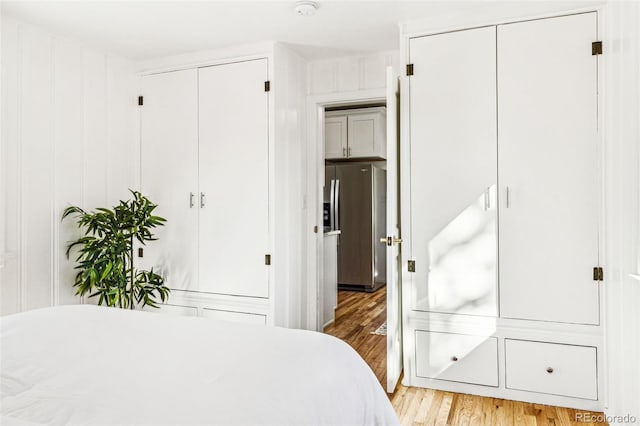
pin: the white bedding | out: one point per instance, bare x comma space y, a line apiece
88, 365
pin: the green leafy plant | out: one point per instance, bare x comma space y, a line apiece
105, 253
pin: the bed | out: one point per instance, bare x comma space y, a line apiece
88, 365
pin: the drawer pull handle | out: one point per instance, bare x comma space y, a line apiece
454, 358
549, 370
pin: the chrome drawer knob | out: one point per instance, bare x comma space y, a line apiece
454, 358
549, 370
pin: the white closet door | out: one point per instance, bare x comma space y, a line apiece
169, 160
547, 138
453, 172
234, 179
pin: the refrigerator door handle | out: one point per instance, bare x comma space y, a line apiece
336, 206
331, 207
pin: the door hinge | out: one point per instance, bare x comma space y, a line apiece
315, 229
596, 48
140, 100
598, 273
267, 259
409, 69
140, 252
411, 265
267, 86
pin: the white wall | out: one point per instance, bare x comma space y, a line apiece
68, 137
622, 207
290, 84
350, 73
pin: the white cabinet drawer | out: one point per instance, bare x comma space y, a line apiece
190, 311
233, 316
551, 368
457, 357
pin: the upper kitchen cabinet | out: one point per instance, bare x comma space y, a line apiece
335, 136
355, 133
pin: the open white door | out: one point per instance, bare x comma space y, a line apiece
394, 318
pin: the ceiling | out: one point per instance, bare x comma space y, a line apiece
142, 30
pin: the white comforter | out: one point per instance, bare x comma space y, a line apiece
89, 365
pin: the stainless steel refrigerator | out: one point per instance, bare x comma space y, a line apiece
355, 204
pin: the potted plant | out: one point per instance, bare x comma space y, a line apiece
105, 255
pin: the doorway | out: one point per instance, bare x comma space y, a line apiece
375, 300
354, 224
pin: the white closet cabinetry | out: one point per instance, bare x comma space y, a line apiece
205, 162
355, 133
502, 179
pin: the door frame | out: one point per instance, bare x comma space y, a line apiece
314, 189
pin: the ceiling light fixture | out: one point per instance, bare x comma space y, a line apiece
306, 8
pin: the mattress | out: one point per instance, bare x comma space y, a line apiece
89, 365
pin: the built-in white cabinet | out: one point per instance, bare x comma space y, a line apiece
220, 155
205, 162
501, 152
355, 133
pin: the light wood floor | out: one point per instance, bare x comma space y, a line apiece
359, 314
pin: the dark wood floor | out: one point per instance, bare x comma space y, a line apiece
359, 314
